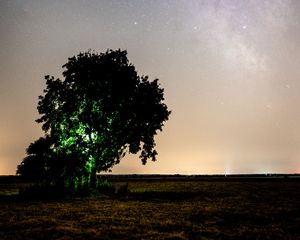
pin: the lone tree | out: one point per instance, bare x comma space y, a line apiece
91, 119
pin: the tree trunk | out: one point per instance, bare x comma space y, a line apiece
93, 178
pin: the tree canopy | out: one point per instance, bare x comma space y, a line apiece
91, 119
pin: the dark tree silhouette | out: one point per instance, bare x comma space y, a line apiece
35, 163
98, 113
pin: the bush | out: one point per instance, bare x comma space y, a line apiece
43, 191
105, 187
123, 190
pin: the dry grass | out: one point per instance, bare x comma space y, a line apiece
162, 209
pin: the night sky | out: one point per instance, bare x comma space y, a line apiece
230, 70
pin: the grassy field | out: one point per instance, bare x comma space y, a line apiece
160, 208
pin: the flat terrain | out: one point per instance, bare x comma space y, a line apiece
160, 208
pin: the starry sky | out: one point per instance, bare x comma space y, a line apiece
230, 70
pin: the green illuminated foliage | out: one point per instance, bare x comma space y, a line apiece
98, 113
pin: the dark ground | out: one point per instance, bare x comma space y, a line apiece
161, 207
